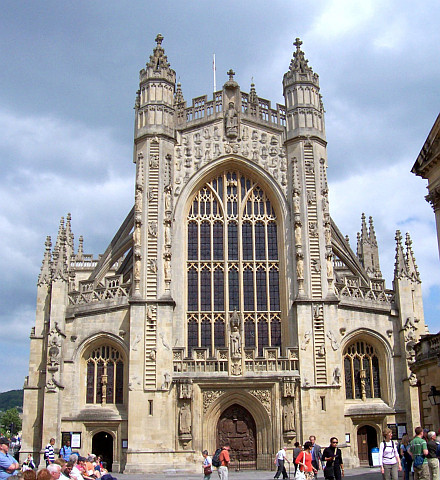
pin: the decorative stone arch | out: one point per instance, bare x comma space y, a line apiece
94, 430
182, 205
260, 415
366, 423
90, 343
383, 346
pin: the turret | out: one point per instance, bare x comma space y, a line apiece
367, 249
155, 98
305, 111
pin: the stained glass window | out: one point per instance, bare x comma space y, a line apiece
361, 370
105, 376
232, 263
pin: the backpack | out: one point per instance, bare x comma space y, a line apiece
216, 458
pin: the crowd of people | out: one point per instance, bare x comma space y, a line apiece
68, 466
418, 457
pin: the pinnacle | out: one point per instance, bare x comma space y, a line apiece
299, 62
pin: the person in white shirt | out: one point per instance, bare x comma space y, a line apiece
389, 457
279, 461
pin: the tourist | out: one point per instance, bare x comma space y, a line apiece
296, 451
55, 470
49, 453
62, 463
28, 464
44, 474
207, 465
29, 475
8, 464
406, 458
334, 467
66, 450
279, 462
389, 459
433, 465
72, 468
316, 455
419, 450
224, 462
304, 460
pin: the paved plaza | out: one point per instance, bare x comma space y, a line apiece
354, 474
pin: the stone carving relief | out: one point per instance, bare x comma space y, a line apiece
264, 397
410, 338
185, 390
336, 376
166, 381
288, 417
306, 341
313, 229
152, 265
288, 387
412, 380
334, 343
152, 228
210, 396
185, 419
208, 145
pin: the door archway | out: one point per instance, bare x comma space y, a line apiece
366, 439
102, 444
236, 426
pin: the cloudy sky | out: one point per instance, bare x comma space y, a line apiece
69, 74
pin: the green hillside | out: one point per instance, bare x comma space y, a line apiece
11, 399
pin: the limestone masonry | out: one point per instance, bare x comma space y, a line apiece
228, 306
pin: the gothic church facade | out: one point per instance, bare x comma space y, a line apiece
228, 306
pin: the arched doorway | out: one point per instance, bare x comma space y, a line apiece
102, 444
367, 439
236, 426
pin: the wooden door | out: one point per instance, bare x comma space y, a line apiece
237, 427
362, 436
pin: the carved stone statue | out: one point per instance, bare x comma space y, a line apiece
231, 121
288, 417
297, 233
235, 343
337, 376
185, 419
300, 267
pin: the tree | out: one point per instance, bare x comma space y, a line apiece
10, 422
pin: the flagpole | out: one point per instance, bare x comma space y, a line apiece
213, 71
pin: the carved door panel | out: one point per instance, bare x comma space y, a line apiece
363, 445
237, 427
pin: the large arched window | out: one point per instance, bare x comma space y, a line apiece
232, 263
105, 376
361, 366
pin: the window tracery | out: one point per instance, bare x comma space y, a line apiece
361, 369
105, 376
232, 263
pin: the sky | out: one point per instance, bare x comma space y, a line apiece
69, 75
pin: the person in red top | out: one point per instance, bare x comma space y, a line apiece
304, 460
224, 462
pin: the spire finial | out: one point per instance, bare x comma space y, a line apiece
231, 74
411, 265
299, 62
400, 269
159, 39
46, 267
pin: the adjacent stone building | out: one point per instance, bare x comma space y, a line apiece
228, 306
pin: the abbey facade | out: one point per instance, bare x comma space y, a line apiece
228, 306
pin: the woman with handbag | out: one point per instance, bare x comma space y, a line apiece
334, 467
207, 465
304, 460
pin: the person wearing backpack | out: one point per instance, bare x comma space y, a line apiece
419, 450
406, 458
66, 451
389, 457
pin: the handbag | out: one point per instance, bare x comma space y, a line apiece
329, 471
418, 460
207, 470
300, 475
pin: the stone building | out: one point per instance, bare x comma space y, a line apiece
228, 306
427, 364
